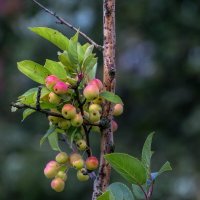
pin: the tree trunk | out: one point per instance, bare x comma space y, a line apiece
107, 144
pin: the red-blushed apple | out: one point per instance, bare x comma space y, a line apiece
114, 125
97, 82
68, 111
92, 163
118, 109
58, 184
60, 88
50, 81
91, 91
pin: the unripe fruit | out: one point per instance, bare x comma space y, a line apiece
68, 111
114, 125
77, 120
57, 184
81, 145
118, 109
50, 81
97, 82
62, 175
91, 91
64, 124
96, 129
94, 116
98, 100
82, 176
78, 164
53, 119
95, 107
62, 158
92, 163
53, 98
60, 87
74, 156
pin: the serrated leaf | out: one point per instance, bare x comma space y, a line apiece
55, 68
53, 141
51, 129
106, 196
137, 192
164, 168
72, 50
53, 36
33, 70
128, 167
146, 152
27, 112
109, 96
120, 191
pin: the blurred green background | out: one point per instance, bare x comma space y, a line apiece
158, 78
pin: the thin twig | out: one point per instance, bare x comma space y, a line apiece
145, 194
63, 21
38, 97
21, 106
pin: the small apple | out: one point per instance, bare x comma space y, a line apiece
91, 91
50, 81
60, 87
62, 175
81, 176
77, 120
64, 124
58, 184
62, 158
118, 109
53, 98
92, 163
68, 111
81, 145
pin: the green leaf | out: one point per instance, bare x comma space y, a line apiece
28, 97
53, 36
55, 68
137, 192
51, 129
89, 63
146, 152
109, 96
164, 168
27, 112
88, 51
53, 141
106, 196
33, 70
92, 73
128, 167
72, 50
120, 191
64, 59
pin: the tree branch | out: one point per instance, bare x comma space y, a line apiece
107, 143
64, 22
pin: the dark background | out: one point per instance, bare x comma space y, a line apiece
158, 78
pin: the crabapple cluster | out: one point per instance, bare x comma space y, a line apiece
79, 105
57, 169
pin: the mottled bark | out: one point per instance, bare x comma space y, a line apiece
107, 144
